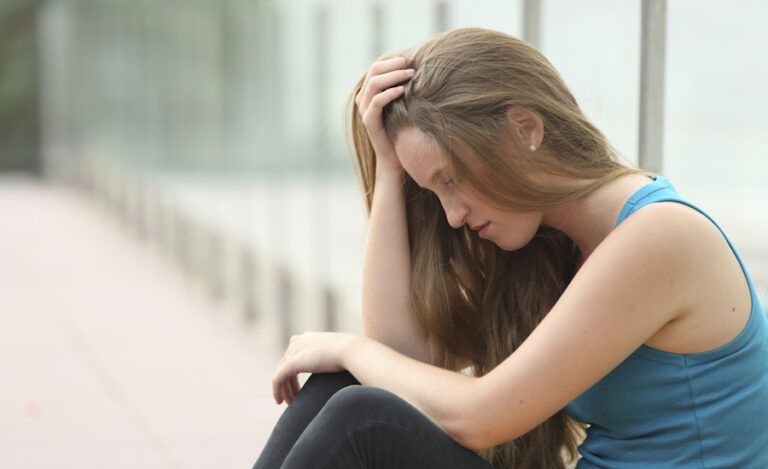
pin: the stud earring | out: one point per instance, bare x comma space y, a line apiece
532, 148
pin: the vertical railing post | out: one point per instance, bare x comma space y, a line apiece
321, 200
652, 52
532, 22
285, 301
442, 16
249, 278
278, 163
330, 308
377, 32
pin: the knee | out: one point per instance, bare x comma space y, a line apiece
358, 397
355, 405
319, 387
339, 379
351, 419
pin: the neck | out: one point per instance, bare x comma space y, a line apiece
589, 220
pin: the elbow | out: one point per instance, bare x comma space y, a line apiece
472, 437
481, 425
486, 430
463, 433
470, 441
469, 427
476, 438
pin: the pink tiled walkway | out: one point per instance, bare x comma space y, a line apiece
108, 358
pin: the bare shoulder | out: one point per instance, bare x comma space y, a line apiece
666, 215
670, 223
662, 241
711, 286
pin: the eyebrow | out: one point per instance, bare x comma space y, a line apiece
434, 176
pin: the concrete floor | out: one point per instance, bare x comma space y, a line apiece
109, 358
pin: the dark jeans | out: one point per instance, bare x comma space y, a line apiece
335, 422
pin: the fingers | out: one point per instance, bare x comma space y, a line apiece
288, 390
386, 65
284, 389
380, 76
287, 393
382, 67
280, 392
294, 382
372, 114
277, 391
379, 83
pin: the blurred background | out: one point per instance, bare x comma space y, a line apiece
177, 198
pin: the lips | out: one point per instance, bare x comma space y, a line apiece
480, 227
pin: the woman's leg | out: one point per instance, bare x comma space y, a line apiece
310, 399
367, 427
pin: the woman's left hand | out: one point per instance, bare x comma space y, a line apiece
310, 352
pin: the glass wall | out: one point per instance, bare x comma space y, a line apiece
215, 128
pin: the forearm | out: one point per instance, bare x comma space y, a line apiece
386, 305
446, 397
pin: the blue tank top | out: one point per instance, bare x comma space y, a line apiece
667, 410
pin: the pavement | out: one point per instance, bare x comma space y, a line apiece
109, 356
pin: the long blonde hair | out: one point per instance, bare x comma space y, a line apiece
475, 301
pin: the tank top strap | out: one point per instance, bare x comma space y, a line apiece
656, 191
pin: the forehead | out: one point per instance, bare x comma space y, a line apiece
419, 154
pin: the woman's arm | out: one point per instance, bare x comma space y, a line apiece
386, 307
626, 291
445, 397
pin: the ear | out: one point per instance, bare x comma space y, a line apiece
527, 124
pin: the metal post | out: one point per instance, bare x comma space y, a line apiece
652, 52
377, 34
532, 22
331, 309
320, 200
215, 270
286, 292
442, 16
248, 279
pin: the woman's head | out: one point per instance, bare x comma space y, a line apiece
485, 98
477, 104
429, 168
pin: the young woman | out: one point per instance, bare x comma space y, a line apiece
507, 242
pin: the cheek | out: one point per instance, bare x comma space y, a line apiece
529, 225
518, 231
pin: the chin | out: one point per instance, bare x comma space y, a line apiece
509, 246
513, 245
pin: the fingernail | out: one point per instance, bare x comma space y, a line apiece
410, 72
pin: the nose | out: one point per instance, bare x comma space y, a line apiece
456, 212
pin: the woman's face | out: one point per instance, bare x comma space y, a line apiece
422, 159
